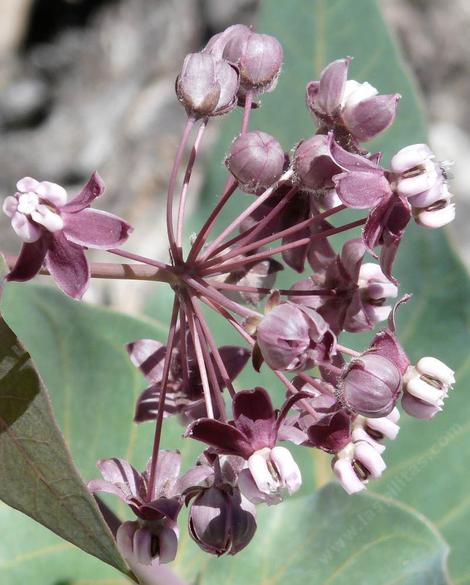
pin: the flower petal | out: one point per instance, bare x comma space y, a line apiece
27, 184
96, 229
29, 261
93, 189
332, 84
361, 190
224, 437
254, 404
148, 356
10, 205
68, 266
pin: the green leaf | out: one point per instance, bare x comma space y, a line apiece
38, 475
333, 539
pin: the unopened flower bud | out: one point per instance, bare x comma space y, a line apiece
365, 113
259, 58
207, 86
256, 160
371, 385
221, 520
425, 387
355, 464
313, 164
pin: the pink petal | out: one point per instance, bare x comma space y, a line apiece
46, 217
68, 266
332, 83
93, 189
361, 190
96, 229
371, 116
54, 193
148, 356
347, 476
29, 261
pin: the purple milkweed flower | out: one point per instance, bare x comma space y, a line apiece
181, 399
424, 183
56, 233
256, 160
252, 435
371, 385
207, 86
355, 464
294, 337
425, 386
154, 537
348, 106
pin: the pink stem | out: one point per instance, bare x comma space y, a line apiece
137, 258
205, 290
278, 235
315, 383
239, 264
246, 112
200, 362
161, 403
326, 292
208, 360
184, 350
293, 390
171, 187
347, 350
248, 211
187, 178
229, 189
110, 270
213, 346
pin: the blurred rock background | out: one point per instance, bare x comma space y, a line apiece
88, 84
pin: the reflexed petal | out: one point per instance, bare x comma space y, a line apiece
68, 266
93, 189
224, 437
386, 344
96, 229
253, 404
361, 190
332, 85
54, 193
234, 358
148, 356
120, 471
25, 229
331, 434
29, 261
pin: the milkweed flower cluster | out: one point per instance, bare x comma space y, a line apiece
339, 400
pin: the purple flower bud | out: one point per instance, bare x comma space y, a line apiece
256, 160
355, 464
426, 385
259, 58
371, 385
221, 520
313, 164
366, 114
292, 337
207, 86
